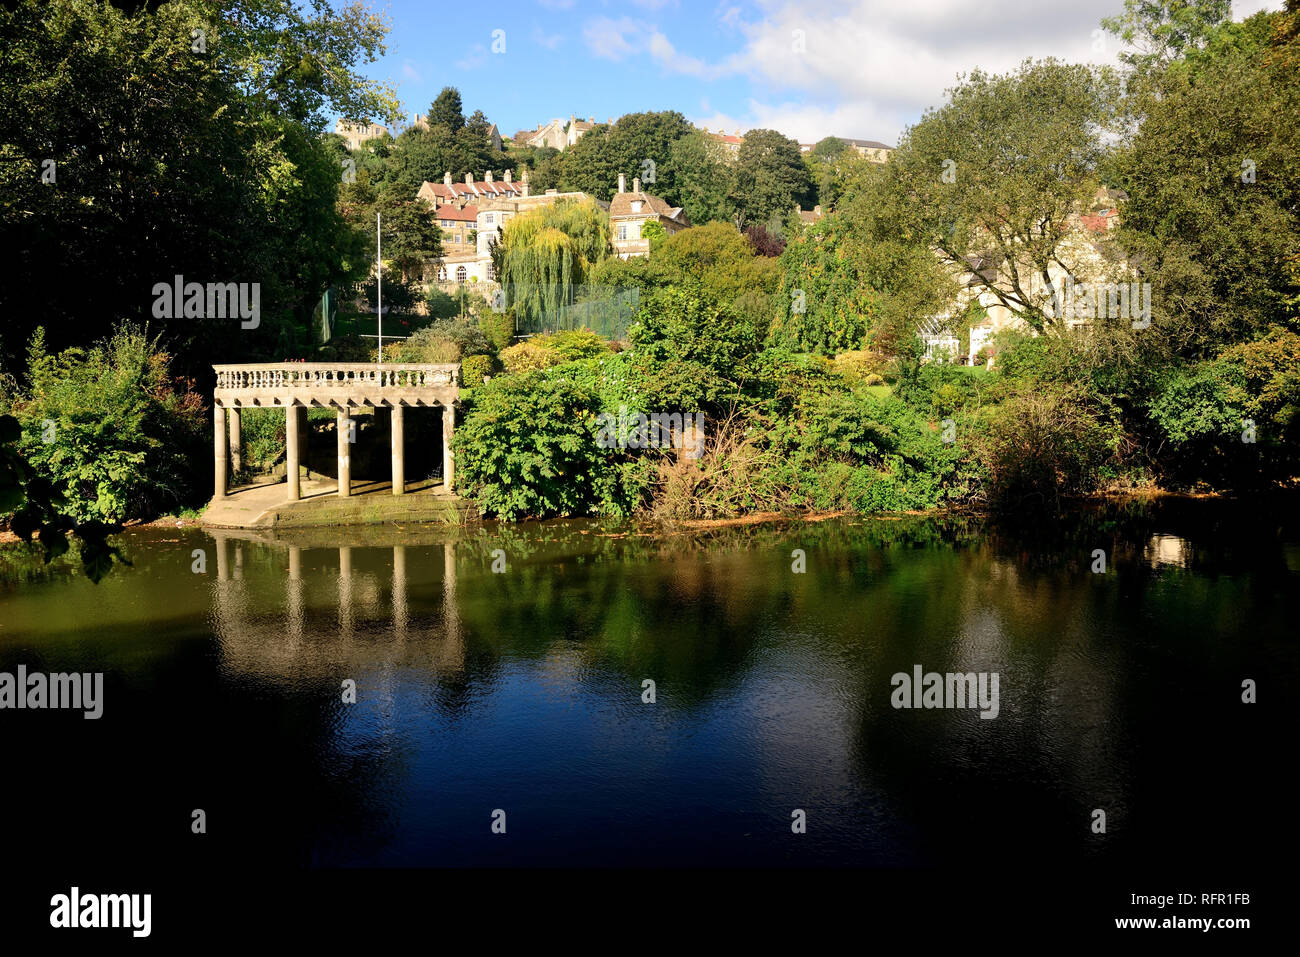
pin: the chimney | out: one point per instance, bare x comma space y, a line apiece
636, 184
487, 177
817, 210
446, 179
507, 176
469, 180
622, 183
591, 120
524, 187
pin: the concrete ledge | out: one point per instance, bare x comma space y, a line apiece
267, 506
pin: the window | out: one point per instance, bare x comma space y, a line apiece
459, 236
491, 273
636, 205
622, 232
460, 274
442, 274
487, 217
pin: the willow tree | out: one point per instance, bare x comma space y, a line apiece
545, 256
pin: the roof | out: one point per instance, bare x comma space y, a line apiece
728, 138
866, 144
621, 205
442, 193
464, 214
522, 136
1100, 222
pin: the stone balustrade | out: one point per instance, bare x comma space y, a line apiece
332, 376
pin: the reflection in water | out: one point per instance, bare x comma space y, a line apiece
523, 691
1167, 550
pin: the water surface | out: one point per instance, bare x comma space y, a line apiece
522, 691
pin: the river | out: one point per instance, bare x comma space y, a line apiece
514, 697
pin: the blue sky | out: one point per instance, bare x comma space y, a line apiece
855, 68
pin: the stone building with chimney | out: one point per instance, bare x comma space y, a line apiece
630, 211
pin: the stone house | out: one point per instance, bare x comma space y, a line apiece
557, 134
630, 211
357, 133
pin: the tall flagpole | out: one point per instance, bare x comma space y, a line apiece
379, 279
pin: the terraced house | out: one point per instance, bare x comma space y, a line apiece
472, 214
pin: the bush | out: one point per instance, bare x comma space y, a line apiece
1042, 443
474, 369
112, 429
262, 433
430, 344
466, 333
572, 344
527, 447
499, 327
858, 364
527, 356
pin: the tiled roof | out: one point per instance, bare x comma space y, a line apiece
866, 144
465, 214
621, 205
445, 194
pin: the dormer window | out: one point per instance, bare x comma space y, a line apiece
636, 205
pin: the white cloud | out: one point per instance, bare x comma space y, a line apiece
474, 58
411, 73
608, 38
868, 68
551, 41
801, 122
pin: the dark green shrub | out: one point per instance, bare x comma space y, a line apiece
118, 436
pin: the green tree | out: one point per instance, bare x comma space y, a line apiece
704, 179
545, 254
1162, 30
771, 177
991, 173
1213, 179
638, 145
447, 111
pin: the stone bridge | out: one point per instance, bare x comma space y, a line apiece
342, 386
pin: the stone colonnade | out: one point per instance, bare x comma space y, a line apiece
228, 451
295, 386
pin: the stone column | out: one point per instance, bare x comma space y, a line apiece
220, 456
398, 430
448, 429
236, 440
292, 452
345, 453
304, 433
